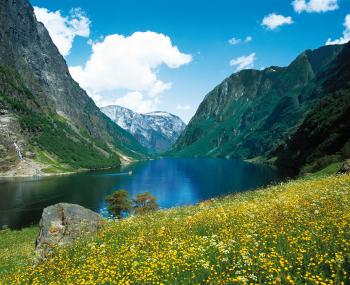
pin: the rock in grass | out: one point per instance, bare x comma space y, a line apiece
62, 224
346, 167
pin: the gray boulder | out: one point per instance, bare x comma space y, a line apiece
62, 224
346, 167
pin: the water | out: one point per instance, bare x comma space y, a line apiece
174, 182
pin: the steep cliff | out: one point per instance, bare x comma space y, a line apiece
252, 112
323, 138
52, 118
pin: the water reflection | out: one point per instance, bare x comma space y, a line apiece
174, 182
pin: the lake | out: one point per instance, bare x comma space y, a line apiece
175, 182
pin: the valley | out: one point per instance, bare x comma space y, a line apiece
103, 182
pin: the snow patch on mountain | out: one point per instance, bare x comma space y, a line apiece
156, 131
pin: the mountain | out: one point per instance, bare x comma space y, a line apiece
252, 113
44, 110
156, 131
323, 138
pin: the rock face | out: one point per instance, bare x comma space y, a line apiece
53, 112
62, 224
10, 131
346, 167
157, 131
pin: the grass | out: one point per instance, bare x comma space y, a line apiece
292, 233
328, 170
16, 249
53, 165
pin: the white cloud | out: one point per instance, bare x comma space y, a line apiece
273, 21
136, 101
62, 29
158, 88
234, 41
317, 6
346, 34
183, 107
129, 63
248, 39
243, 62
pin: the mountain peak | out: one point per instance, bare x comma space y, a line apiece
252, 112
156, 130
49, 112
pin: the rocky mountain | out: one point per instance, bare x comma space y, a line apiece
323, 138
43, 109
156, 131
252, 113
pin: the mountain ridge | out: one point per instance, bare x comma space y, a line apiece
251, 113
51, 115
156, 131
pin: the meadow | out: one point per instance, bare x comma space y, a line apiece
292, 233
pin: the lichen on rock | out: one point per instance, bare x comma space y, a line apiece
61, 225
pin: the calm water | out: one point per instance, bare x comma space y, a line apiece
174, 182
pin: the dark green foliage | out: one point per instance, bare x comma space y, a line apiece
324, 136
145, 203
119, 203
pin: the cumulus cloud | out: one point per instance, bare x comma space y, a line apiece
62, 29
183, 107
315, 6
129, 63
346, 34
243, 62
273, 21
235, 41
137, 102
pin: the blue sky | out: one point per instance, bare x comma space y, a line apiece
176, 80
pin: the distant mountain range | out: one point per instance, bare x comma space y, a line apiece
54, 122
156, 131
296, 116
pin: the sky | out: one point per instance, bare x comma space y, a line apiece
167, 55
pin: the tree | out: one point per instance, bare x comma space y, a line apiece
118, 203
145, 203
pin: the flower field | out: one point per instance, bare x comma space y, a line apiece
292, 233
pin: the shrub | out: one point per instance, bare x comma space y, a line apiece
118, 203
145, 203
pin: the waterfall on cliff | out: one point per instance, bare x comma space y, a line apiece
18, 151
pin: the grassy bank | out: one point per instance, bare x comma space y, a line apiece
16, 249
293, 233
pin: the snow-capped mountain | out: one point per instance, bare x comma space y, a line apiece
156, 131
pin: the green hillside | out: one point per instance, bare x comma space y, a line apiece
52, 138
252, 113
54, 122
324, 136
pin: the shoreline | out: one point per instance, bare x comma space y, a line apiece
41, 174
